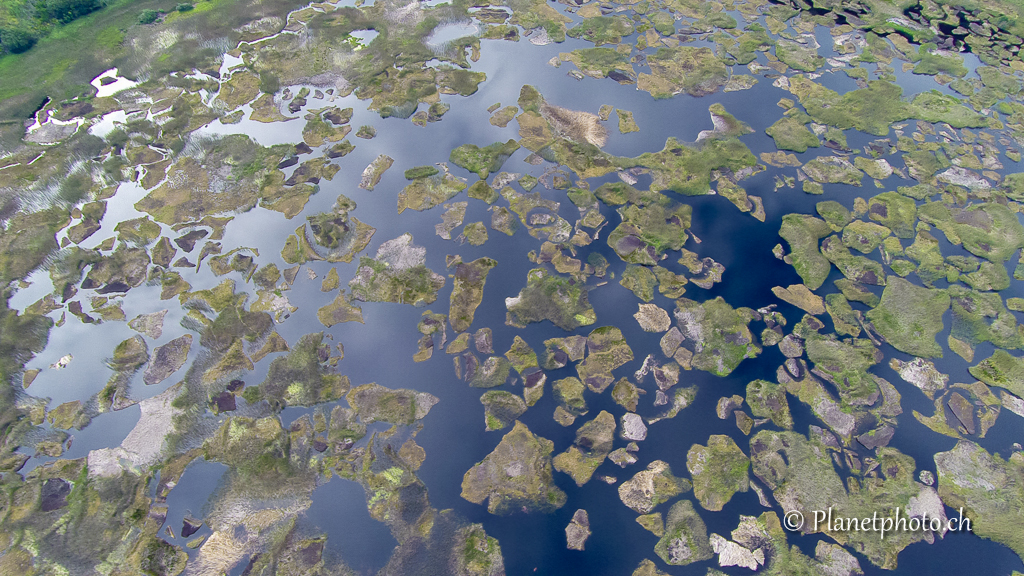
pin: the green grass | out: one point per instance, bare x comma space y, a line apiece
601, 30
61, 64
47, 70
110, 37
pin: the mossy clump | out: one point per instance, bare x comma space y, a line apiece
982, 317
503, 220
909, 317
122, 270
397, 274
572, 138
453, 216
600, 62
420, 172
606, 350
344, 428
475, 233
339, 311
989, 230
626, 394
988, 488
768, 400
304, 376
558, 352
68, 415
653, 523
341, 235
375, 403
502, 117
640, 280
626, 122
483, 161
800, 472
719, 470
374, 171
864, 237
651, 225
894, 211
687, 169
844, 318
802, 233
480, 190
521, 356
194, 189
686, 536
426, 192
858, 268
139, 232
547, 296
648, 568
765, 535
494, 371
340, 150
789, 464
695, 71
602, 29
835, 214
845, 364
569, 395
167, 359
754, 39
99, 510
538, 14
318, 132
593, 444
800, 296
931, 63
501, 409
1003, 370
651, 487
791, 134
933, 106
833, 169
798, 56
129, 356
872, 109
255, 448
879, 168
474, 552
516, 475
857, 292
468, 291
718, 334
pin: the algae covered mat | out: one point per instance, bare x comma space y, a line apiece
650, 287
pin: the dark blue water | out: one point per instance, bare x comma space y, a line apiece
190, 497
339, 509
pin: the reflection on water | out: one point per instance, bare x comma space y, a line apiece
449, 32
339, 509
109, 83
364, 37
107, 123
229, 63
190, 496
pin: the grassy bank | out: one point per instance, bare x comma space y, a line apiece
61, 65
